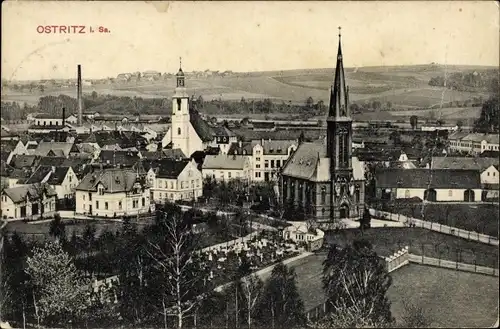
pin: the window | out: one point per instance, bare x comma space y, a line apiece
119, 205
407, 194
97, 204
178, 131
266, 164
197, 183
69, 178
257, 153
143, 202
257, 174
172, 185
101, 191
161, 195
179, 101
171, 196
90, 196
278, 163
257, 159
229, 175
135, 203
84, 197
257, 166
106, 205
450, 192
494, 174
182, 184
323, 195
192, 183
272, 163
488, 173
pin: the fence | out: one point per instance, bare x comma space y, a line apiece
398, 259
453, 265
415, 222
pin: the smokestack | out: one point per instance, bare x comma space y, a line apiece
79, 95
63, 117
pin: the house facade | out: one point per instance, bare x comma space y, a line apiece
473, 143
435, 185
173, 180
61, 178
227, 167
113, 192
28, 201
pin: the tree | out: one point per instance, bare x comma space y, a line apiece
280, 305
460, 124
94, 95
251, 288
59, 293
173, 255
365, 220
356, 279
489, 118
413, 122
309, 102
57, 228
347, 317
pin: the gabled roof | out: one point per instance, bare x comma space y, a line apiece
39, 175
171, 169
113, 180
480, 164
24, 161
56, 175
221, 131
19, 193
427, 178
310, 162
163, 154
58, 148
224, 162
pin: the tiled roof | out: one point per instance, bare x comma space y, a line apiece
171, 169
490, 138
39, 175
59, 148
114, 180
163, 154
202, 128
463, 163
57, 175
23, 161
221, 131
427, 178
458, 135
19, 193
293, 134
243, 148
123, 158
278, 147
223, 161
51, 161
310, 162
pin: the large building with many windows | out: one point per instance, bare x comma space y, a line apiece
323, 179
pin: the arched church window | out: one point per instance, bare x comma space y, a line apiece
178, 131
178, 104
323, 195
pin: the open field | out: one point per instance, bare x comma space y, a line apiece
449, 298
386, 241
482, 218
405, 86
449, 113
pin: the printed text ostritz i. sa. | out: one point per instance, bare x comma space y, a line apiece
70, 29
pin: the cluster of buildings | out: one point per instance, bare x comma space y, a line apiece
120, 166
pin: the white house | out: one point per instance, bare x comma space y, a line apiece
473, 143
173, 179
226, 167
113, 192
44, 119
62, 179
299, 232
28, 201
267, 157
435, 185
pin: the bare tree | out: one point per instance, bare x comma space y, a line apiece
251, 288
177, 262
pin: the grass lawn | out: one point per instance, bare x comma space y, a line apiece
448, 298
386, 241
482, 218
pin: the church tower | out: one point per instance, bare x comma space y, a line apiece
180, 115
339, 141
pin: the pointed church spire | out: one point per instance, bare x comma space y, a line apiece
339, 91
180, 75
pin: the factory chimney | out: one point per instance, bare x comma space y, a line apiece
63, 117
79, 95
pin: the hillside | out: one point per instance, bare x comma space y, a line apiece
403, 86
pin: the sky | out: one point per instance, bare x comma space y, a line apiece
242, 36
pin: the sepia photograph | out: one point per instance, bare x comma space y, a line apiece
249, 164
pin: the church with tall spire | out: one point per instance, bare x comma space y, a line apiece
323, 180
